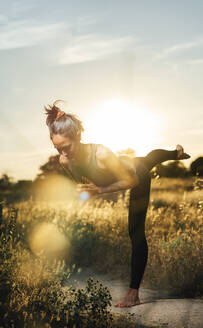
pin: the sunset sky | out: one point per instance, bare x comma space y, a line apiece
131, 70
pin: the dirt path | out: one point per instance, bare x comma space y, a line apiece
157, 308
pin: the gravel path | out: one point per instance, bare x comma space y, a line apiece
157, 308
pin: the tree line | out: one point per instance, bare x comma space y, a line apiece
24, 189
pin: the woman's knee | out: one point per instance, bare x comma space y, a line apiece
139, 247
137, 237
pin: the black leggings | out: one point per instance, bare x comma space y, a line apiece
139, 200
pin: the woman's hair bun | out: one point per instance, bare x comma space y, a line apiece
62, 123
52, 112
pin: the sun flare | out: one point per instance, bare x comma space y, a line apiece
119, 125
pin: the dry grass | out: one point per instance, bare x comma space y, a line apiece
95, 233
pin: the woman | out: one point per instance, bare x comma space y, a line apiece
97, 170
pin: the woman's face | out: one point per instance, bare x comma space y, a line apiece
65, 146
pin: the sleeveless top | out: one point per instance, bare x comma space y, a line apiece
100, 177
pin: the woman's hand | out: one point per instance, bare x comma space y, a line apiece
63, 159
89, 187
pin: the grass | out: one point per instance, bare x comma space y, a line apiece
42, 243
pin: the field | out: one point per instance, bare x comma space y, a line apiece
43, 242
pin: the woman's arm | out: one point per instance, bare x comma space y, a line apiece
123, 170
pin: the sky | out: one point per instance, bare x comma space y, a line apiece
131, 70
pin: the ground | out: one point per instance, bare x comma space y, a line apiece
157, 308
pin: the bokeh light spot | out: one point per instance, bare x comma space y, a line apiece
46, 239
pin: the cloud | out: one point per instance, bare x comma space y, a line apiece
179, 48
22, 33
92, 47
86, 21
194, 61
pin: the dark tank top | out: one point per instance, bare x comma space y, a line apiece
99, 176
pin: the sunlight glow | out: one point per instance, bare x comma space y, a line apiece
119, 125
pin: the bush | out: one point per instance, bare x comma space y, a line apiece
32, 291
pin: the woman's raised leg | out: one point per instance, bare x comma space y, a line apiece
158, 156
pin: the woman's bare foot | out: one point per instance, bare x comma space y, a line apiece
180, 153
130, 299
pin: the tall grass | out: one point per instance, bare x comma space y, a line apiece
95, 233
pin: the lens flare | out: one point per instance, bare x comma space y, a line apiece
84, 196
56, 187
46, 239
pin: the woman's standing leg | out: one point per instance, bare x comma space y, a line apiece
138, 204
136, 226
139, 200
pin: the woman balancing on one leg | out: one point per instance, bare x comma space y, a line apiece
97, 170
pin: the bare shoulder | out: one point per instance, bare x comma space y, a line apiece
105, 157
103, 154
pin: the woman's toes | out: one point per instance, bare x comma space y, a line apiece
185, 156
128, 302
180, 151
119, 305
